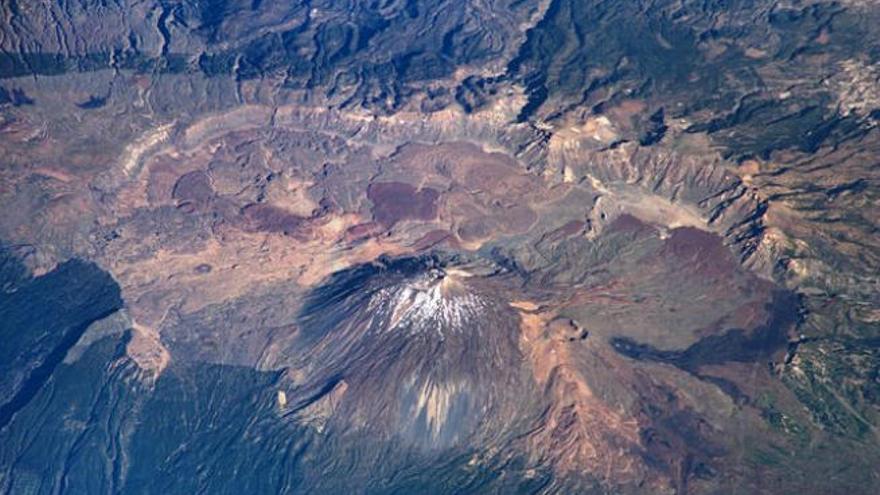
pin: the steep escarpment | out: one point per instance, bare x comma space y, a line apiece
43, 318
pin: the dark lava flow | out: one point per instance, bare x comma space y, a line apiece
734, 345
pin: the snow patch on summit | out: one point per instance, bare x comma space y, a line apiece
433, 301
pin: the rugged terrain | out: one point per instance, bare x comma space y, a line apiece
439, 247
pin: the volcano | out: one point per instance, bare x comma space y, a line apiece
448, 338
